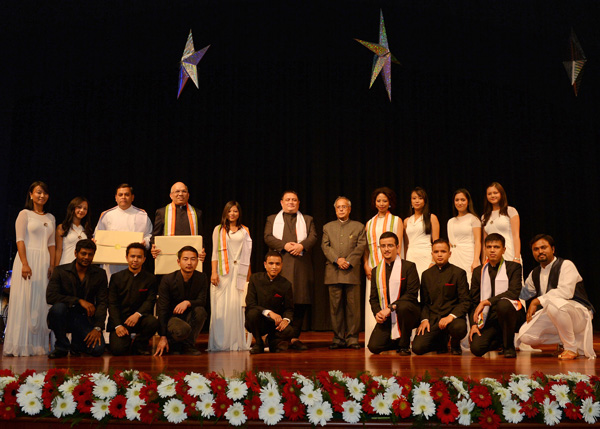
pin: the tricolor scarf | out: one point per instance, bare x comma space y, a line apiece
278, 225
389, 224
394, 288
243, 257
500, 286
170, 219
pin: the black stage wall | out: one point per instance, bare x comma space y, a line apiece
89, 101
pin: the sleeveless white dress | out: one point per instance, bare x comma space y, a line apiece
419, 244
69, 243
462, 241
501, 225
27, 332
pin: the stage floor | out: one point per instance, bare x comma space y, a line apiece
318, 357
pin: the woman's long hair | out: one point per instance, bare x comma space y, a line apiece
225, 220
85, 222
28, 199
488, 207
390, 194
470, 208
426, 215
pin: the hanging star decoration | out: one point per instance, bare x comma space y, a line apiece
189, 61
574, 66
383, 57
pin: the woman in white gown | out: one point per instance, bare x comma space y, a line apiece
421, 229
27, 333
232, 247
464, 234
383, 200
499, 217
75, 227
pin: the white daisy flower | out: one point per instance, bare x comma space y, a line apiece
26, 391
351, 412
512, 411
590, 410
491, 382
393, 392
384, 381
356, 389
97, 376
459, 386
31, 405
520, 389
422, 391
205, 405
552, 413
267, 376
424, 406
270, 393
166, 388
195, 376
503, 393
68, 386
577, 377
533, 384
381, 405
133, 391
235, 414
105, 388
100, 409
465, 407
302, 379
237, 390
561, 393
36, 379
5, 381
63, 406
198, 387
319, 413
336, 373
133, 406
174, 411
271, 413
310, 396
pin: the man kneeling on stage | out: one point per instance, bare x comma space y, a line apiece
565, 312
131, 298
495, 290
181, 307
394, 292
445, 300
270, 307
78, 294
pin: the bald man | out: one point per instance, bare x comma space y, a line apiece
178, 218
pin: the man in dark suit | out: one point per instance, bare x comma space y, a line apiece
181, 307
343, 245
293, 235
131, 298
495, 290
270, 306
445, 302
177, 218
394, 291
78, 294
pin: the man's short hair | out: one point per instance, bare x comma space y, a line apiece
341, 197
441, 240
495, 237
273, 253
289, 191
538, 237
85, 244
389, 234
135, 246
186, 249
124, 185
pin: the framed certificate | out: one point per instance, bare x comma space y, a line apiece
111, 246
166, 261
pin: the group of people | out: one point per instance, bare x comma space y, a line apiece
420, 288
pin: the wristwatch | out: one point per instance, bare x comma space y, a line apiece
98, 328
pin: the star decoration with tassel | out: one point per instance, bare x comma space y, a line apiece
189, 61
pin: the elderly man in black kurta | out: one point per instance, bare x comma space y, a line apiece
445, 302
78, 294
131, 298
270, 307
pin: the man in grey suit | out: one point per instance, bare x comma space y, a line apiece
343, 244
293, 235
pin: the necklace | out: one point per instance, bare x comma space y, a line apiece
40, 213
78, 233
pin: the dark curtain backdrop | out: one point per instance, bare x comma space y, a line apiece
89, 101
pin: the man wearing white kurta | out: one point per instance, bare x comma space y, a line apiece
124, 217
565, 312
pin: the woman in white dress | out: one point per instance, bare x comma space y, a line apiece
383, 200
464, 234
421, 229
232, 247
75, 227
27, 333
499, 217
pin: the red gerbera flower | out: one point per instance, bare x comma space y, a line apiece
584, 390
540, 394
252, 382
149, 393
56, 374
122, 383
10, 393
402, 408
405, 383
288, 391
117, 406
222, 403
481, 396
82, 392
149, 413
294, 409
489, 419
439, 391
190, 404
372, 388
219, 386
366, 404
365, 377
48, 394
325, 379
26, 374
85, 405
6, 373
7, 411
529, 409
251, 407
146, 377
572, 412
181, 387
447, 412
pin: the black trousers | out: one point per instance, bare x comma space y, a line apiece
437, 339
185, 328
258, 325
63, 319
409, 314
300, 311
144, 330
499, 330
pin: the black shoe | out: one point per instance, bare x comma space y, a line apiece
337, 346
403, 352
75, 353
298, 345
355, 346
510, 353
456, 351
442, 351
257, 349
191, 351
280, 346
141, 352
57, 354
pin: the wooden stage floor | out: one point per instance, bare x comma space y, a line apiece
318, 357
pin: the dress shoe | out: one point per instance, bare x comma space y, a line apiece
191, 351
568, 355
442, 351
510, 353
57, 354
74, 353
403, 352
355, 346
337, 346
456, 351
141, 352
257, 349
279, 346
298, 345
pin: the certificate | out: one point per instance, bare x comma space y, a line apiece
111, 246
166, 261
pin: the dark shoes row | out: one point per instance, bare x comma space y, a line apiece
277, 346
338, 346
185, 350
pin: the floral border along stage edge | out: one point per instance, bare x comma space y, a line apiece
319, 399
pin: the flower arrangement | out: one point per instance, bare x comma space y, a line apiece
318, 399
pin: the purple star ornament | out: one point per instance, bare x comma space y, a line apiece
189, 61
